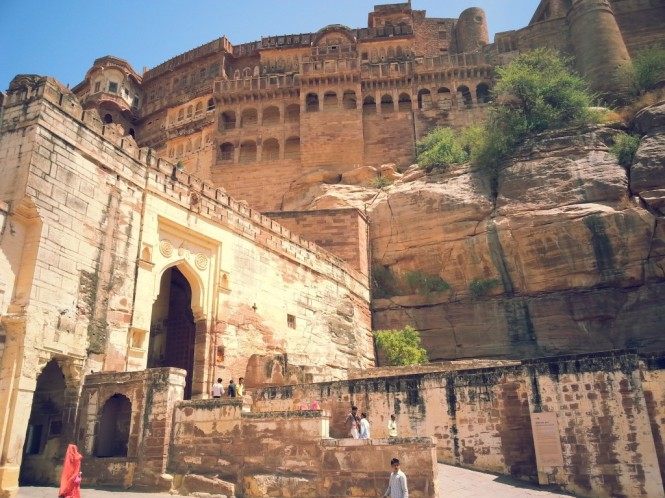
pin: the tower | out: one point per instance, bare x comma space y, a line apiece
597, 43
471, 30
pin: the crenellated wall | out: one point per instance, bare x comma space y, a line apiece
93, 225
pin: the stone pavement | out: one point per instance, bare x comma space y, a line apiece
454, 482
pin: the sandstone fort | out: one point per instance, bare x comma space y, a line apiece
218, 216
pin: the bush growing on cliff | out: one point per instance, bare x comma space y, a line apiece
535, 92
383, 282
440, 148
624, 148
645, 71
479, 287
401, 347
381, 182
425, 284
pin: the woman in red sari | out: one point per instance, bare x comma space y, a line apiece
70, 480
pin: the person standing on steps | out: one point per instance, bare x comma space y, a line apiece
397, 487
218, 389
240, 388
392, 426
353, 423
364, 426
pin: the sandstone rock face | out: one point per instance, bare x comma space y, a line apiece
563, 253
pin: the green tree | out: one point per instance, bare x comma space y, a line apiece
537, 91
401, 347
645, 71
440, 148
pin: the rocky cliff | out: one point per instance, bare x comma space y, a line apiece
564, 252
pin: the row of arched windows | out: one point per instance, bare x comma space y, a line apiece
463, 96
192, 111
271, 116
269, 150
184, 148
444, 99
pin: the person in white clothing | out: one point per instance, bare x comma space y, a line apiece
397, 487
392, 426
364, 426
217, 389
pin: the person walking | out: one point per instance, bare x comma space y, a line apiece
353, 423
397, 487
240, 387
364, 426
70, 479
392, 426
231, 390
218, 389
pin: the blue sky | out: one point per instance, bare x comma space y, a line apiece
63, 38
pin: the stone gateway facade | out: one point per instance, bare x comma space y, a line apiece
138, 265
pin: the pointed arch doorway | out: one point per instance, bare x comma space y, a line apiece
42, 449
173, 326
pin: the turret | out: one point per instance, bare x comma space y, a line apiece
597, 43
471, 30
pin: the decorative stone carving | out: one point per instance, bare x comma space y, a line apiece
201, 261
166, 248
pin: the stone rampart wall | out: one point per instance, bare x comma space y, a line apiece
95, 191
608, 418
289, 454
341, 231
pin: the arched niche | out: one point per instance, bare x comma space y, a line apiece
112, 438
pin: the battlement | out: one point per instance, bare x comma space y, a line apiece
219, 45
275, 82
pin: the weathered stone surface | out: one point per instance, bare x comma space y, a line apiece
329, 197
389, 172
414, 172
193, 483
647, 174
360, 176
650, 118
561, 228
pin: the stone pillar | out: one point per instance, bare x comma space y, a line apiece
16, 392
73, 370
163, 388
202, 359
598, 44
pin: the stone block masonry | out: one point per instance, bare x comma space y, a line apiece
95, 224
608, 409
293, 455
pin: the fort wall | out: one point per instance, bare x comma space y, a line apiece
482, 418
98, 223
294, 455
341, 231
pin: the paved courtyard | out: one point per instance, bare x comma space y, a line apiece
454, 483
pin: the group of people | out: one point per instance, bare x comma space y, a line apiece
70, 481
233, 390
359, 428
